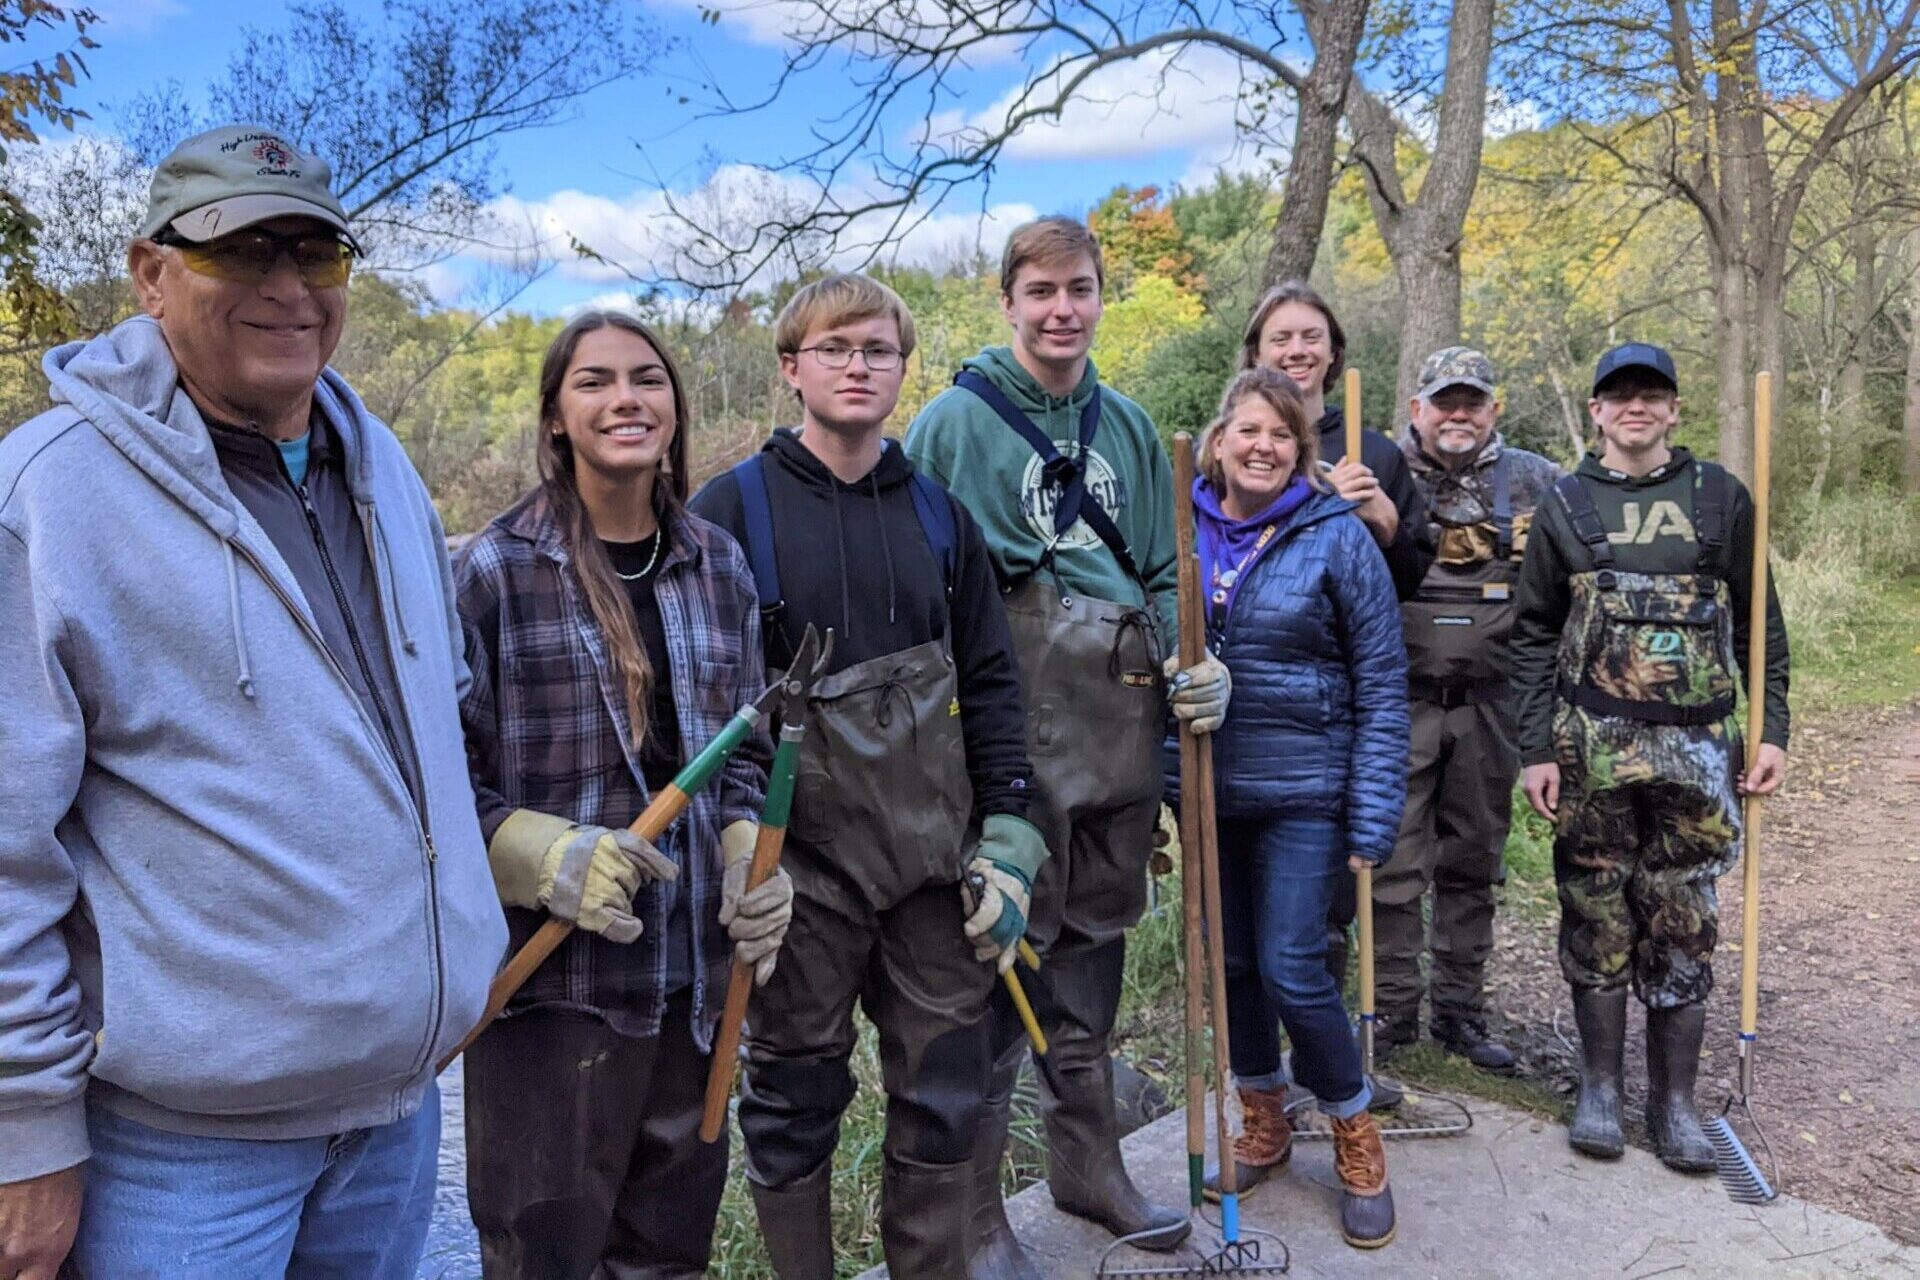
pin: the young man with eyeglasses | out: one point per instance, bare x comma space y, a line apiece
248, 905
1634, 608
911, 856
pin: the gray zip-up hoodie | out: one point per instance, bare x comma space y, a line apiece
222, 910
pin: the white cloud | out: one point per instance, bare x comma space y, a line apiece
133, 17
790, 23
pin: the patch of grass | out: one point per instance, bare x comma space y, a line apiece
1871, 657
1427, 1066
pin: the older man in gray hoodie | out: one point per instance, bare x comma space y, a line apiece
247, 901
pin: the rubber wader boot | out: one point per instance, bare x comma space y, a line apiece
1602, 1019
923, 1219
1673, 1061
1366, 1201
796, 1221
1084, 1169
993, 1251
1265, 1143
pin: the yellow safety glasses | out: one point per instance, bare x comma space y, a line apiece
323, 259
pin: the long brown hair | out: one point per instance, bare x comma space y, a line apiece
606, 597
1278, 296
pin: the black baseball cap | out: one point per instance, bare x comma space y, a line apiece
1635, 355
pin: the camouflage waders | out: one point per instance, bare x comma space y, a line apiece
876, 846
1647, 748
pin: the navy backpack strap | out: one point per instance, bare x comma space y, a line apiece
757, 511
935, 510
1586, 520
1074, 503
1503, 505
1711, 492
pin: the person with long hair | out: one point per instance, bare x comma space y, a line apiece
1309, 768
611, 634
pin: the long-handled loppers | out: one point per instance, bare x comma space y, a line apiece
671, 801
1739, 1173
809, 661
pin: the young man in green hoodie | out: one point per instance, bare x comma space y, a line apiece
1074, 494
1634, 600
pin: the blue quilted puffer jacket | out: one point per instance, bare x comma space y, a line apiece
1318, 723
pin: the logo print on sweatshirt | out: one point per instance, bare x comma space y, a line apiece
1038, 499
1665, 520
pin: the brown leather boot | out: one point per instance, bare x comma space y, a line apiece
1366, 1202
1265, 1142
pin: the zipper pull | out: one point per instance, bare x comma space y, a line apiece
433, 854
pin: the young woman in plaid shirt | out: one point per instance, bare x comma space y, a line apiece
611, 634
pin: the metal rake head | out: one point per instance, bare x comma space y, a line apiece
1742, 1177
1241, 1257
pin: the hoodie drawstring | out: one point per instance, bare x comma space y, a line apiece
886, 546
245, 681
386, 556
840, 532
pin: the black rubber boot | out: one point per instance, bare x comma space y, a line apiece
1602, 1019
993, 1251
1468, 1038
1084, 1169
923, 1218
1673, 1062
796, 1221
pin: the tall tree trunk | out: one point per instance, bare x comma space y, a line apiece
1863, 304
1731, 337
1336, 26
1910, 469
1423, 233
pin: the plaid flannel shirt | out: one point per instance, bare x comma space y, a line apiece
547, 729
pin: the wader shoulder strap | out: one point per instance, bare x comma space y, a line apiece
1579, 506
1712, 489
1503, 506
935, 510
757, 511
1068, 474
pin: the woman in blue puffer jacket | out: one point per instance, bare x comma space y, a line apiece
1309, 766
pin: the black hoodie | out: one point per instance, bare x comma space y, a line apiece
854, 557
1406, 561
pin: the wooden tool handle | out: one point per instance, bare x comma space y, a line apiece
1191, 641
733, 1015
1756, 703
1353, 414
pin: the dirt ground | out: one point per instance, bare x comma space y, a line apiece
1838, 1087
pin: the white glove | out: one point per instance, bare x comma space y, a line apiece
575, 871
757, 921
1200, 692
1006, 862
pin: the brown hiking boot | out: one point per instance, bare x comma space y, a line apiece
1265, 1142
1366, 1202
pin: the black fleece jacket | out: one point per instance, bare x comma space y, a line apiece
854, 557
1405, 560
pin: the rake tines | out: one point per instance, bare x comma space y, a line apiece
1738, 1173
1241, 1257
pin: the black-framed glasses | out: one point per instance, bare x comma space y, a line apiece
322, 258
838, 355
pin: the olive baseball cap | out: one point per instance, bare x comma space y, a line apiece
220, 181
1455, 367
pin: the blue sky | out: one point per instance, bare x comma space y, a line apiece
592, 179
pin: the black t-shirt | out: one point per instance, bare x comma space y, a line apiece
638, 564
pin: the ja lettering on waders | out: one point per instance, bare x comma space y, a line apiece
876, 844
1646, 741
1096, 719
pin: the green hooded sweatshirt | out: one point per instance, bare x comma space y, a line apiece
961, 442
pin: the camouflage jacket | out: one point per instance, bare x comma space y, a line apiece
1458, 527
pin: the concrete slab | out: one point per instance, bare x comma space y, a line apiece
1506, 1201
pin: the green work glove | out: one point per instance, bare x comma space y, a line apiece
1008, 859
575, 871
1200, 692
757, 921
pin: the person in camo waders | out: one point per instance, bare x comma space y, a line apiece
1478, 495
910, 852
1075, 496
1634, 601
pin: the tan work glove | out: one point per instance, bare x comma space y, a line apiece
757, 921
1199, 693
575, 871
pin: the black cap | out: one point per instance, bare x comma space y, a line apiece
1635, 355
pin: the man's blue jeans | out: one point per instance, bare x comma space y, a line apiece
353, 1206
1277, 880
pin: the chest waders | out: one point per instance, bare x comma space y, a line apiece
876, 845
1096, 720
1465, 756
1648, 819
